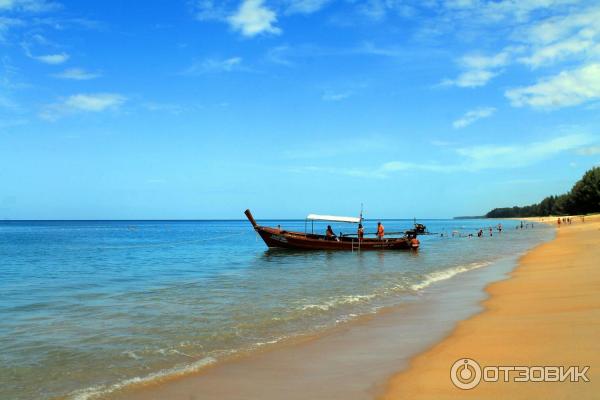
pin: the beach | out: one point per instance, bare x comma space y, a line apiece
546, 314
353, 360
175, 316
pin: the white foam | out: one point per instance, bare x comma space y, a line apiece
447, 274
260, 344
101, 390
339, 300
132, 355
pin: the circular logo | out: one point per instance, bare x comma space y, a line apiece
465, 373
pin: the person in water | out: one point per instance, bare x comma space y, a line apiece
380, 231
329, 232
360, 232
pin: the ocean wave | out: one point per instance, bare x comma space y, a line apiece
447, 274
101, 390
337, 301
132, 354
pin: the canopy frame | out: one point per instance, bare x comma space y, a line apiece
333, 218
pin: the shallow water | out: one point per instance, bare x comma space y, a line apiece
86, 307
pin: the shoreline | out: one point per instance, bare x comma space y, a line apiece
547, 313
351, 361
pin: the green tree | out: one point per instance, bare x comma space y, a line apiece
584, 198
585, 195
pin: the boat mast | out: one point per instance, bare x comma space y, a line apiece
361, 213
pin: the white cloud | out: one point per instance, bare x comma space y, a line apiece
479, 69
589, 151
440, 143
171, 108
483, 62
281, 55
34, 6
379, 9
253, 18
513, 156
546, 55
550, 30
563, 37
97, 102
473, 158
336, 96
214, 65
568, 88
94, 102
305, 6
205, 10
8, 104
473, 78
501, 10
381, 172
76, 74
335, 147
6, 24
395, 166
473, 115
53, 59
555, 32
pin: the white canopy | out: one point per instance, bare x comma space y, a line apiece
315, 217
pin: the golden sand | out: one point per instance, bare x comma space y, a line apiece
546, 314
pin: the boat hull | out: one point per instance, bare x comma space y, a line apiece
277, 238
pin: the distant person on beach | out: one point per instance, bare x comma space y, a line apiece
558, 222
491, 231
329, 232
380, 231
499, 228
521, 224
360, 232
480, 233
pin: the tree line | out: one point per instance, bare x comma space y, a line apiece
583, 198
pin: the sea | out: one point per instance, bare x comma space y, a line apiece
88, 308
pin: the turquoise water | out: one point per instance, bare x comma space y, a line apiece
88, 307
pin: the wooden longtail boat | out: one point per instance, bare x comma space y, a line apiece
277, 237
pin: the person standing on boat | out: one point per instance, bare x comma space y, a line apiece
329, 233
360, 232
380, 231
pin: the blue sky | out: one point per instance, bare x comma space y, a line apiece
200, 109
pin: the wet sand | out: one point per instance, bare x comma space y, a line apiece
548, 313
353, 361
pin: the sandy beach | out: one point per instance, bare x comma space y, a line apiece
546, 314
355, 360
